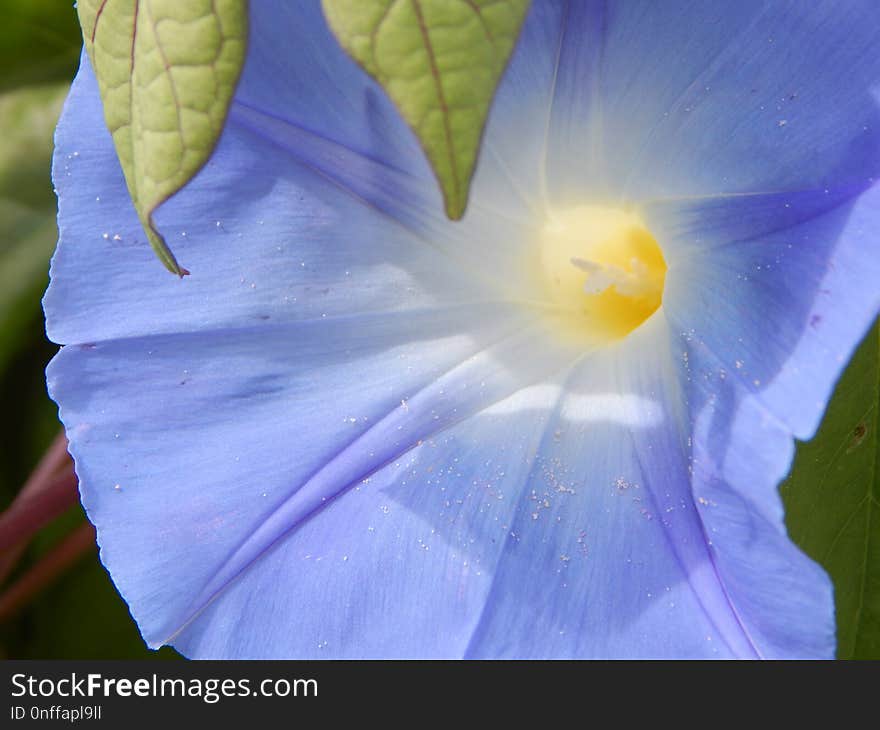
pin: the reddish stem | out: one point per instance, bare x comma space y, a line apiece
52, 464
9, 560
29, 512
46, 570
54, 460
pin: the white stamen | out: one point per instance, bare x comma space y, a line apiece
600, 277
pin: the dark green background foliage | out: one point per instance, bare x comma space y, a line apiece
832, 496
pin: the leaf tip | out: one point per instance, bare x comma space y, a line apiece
157, 242
454, 202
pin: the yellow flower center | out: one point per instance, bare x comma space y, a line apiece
602, 270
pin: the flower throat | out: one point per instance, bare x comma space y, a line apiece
602, 270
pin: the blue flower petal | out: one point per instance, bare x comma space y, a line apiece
348, 432
639, 84
315, 86
606, 554
253, 406
197, 453
799, 274
275, 204
776, 208
556, 522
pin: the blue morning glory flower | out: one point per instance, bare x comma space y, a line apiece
554, 429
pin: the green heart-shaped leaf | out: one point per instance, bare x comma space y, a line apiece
440, 62
167, 71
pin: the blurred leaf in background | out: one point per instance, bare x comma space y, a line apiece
27, 220
39, 43
80, 615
